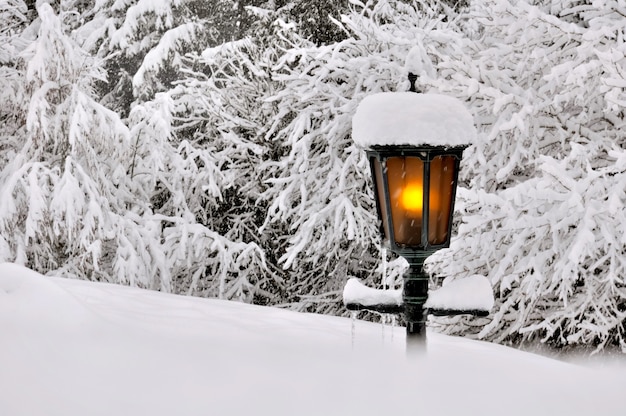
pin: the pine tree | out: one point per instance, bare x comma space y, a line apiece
63, 180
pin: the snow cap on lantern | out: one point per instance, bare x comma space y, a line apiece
407, 118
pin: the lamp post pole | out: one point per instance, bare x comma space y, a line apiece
414, 296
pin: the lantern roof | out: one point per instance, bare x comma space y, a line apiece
408, 118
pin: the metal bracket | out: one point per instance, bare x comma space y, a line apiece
398, 309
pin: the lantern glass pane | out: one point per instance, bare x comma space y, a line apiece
405, 177
380, 194
442, 177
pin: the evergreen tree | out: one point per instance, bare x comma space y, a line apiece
13, 23
144, 41
62, 185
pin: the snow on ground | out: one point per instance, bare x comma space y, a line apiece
74, 348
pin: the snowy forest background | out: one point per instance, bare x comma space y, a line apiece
203, 147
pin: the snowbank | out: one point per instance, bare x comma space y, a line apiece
139, 352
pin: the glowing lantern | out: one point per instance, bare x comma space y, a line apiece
415, 190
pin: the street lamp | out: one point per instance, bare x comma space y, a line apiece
414, 143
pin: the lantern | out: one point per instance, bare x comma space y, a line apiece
414, 143
415, 189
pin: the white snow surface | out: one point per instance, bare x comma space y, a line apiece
356, 292
472, 292
408, 118
72, 348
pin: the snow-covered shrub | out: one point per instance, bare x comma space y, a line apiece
545, 214
188, 181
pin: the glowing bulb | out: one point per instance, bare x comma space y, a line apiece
412, 199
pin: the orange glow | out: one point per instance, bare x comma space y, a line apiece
412, 199
405, 184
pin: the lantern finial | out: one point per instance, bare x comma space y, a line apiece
412, 79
